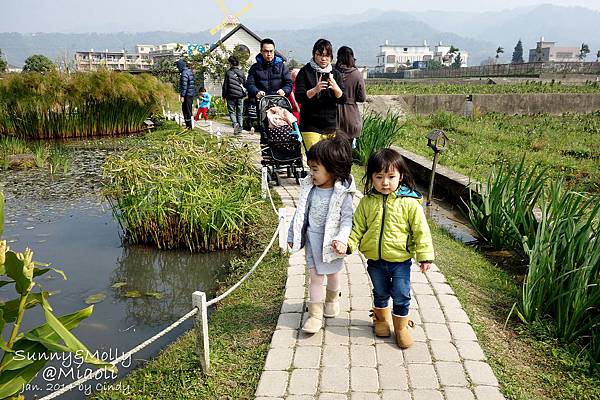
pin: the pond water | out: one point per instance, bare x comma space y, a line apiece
65, 221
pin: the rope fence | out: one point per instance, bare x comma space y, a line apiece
200, 310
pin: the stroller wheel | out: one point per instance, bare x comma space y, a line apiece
296, 176
289, 171
276, 178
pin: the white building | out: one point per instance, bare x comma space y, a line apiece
115, 60
548, 51
393, 57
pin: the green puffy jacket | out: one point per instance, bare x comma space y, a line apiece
392, 227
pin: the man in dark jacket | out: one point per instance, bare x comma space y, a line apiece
234, 91
187, 91
269, 75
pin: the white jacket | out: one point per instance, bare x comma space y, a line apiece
336, 226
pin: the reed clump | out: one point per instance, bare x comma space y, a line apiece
58, 105
184, 191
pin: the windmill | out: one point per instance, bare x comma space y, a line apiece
227, 14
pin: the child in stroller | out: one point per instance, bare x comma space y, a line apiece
280, 138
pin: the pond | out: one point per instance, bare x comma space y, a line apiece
66, 223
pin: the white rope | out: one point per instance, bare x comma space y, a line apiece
271, 199
123, 357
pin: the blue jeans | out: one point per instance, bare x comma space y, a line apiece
235, 108
391, 279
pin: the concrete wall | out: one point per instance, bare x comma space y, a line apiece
550, 103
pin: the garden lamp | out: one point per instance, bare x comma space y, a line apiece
438, 141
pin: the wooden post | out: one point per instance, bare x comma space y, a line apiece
201, 326
264, 184
282, 230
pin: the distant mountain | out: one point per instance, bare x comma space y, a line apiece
478, 33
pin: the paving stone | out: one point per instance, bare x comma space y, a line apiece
456, 315
336, 356
427, 395
335, 380
364, 379
442, 288
389, 354
451, 374
480, 373
272, 384
307, 357
427, 301
356, 268
422, 288
359, 279
462, 331
422, 376
456, 393
343, 319
362, 356
469, 350
393, 377
295, 280
360, 317
344, 304
269, 398
292, 306
418, 277
414, 305
289, 321
432, 315
449, 301
353, 259
299, 397
488, 393
332, 396
296, 270
415, 316
417, 353
336, 335
364, 396
395, 395
360, 290
362, 335
361, 303
279, 360
307, 339
283, 338
418, 334
444, 351
436, 331
435, 276
297, 259
304, 381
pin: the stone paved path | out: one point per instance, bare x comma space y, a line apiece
346, 361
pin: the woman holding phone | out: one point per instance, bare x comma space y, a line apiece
319, 89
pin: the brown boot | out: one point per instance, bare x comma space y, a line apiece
332, 303
314, 323
401, 324
382, 317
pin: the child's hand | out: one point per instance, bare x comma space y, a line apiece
425, 266
339, 247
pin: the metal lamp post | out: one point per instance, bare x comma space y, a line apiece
438, 141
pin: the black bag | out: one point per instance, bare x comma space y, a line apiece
244, 90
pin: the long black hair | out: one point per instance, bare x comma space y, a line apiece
335, 155
385, 160
345, 56
322, 46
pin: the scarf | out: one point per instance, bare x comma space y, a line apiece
316, 67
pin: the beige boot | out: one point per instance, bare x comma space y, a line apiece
382, 318
314, 323
332, 303
401, 324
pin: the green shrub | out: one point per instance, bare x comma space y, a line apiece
377, 133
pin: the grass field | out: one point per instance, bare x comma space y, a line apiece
440, 88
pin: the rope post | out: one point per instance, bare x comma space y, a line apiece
282, 230
264, 184
201, 325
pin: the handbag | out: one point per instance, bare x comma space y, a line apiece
244, 90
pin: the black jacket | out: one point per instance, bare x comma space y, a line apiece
268, 77
318, 114
186, 80
234, 84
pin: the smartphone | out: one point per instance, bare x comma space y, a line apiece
325, 77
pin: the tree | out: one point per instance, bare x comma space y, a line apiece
498, 51
3, 63
38, 63
488, 61
434, 64
457, 63
598, 56
584, 51
517, 56
293, 63
539, 54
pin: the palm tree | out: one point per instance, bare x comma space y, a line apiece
598, 56
498, 51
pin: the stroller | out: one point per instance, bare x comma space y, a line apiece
280, 146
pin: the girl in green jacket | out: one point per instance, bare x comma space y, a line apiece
390, 229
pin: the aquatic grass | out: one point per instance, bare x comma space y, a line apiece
184, 190
59, 105
378, 132
400, 88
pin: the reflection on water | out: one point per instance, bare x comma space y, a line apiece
65, 222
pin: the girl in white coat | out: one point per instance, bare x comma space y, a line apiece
322, 224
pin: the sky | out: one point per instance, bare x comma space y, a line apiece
75, 16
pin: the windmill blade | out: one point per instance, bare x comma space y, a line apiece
222, 6
244, 10
217, 28
238, 14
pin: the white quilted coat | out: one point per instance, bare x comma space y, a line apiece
335, 228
